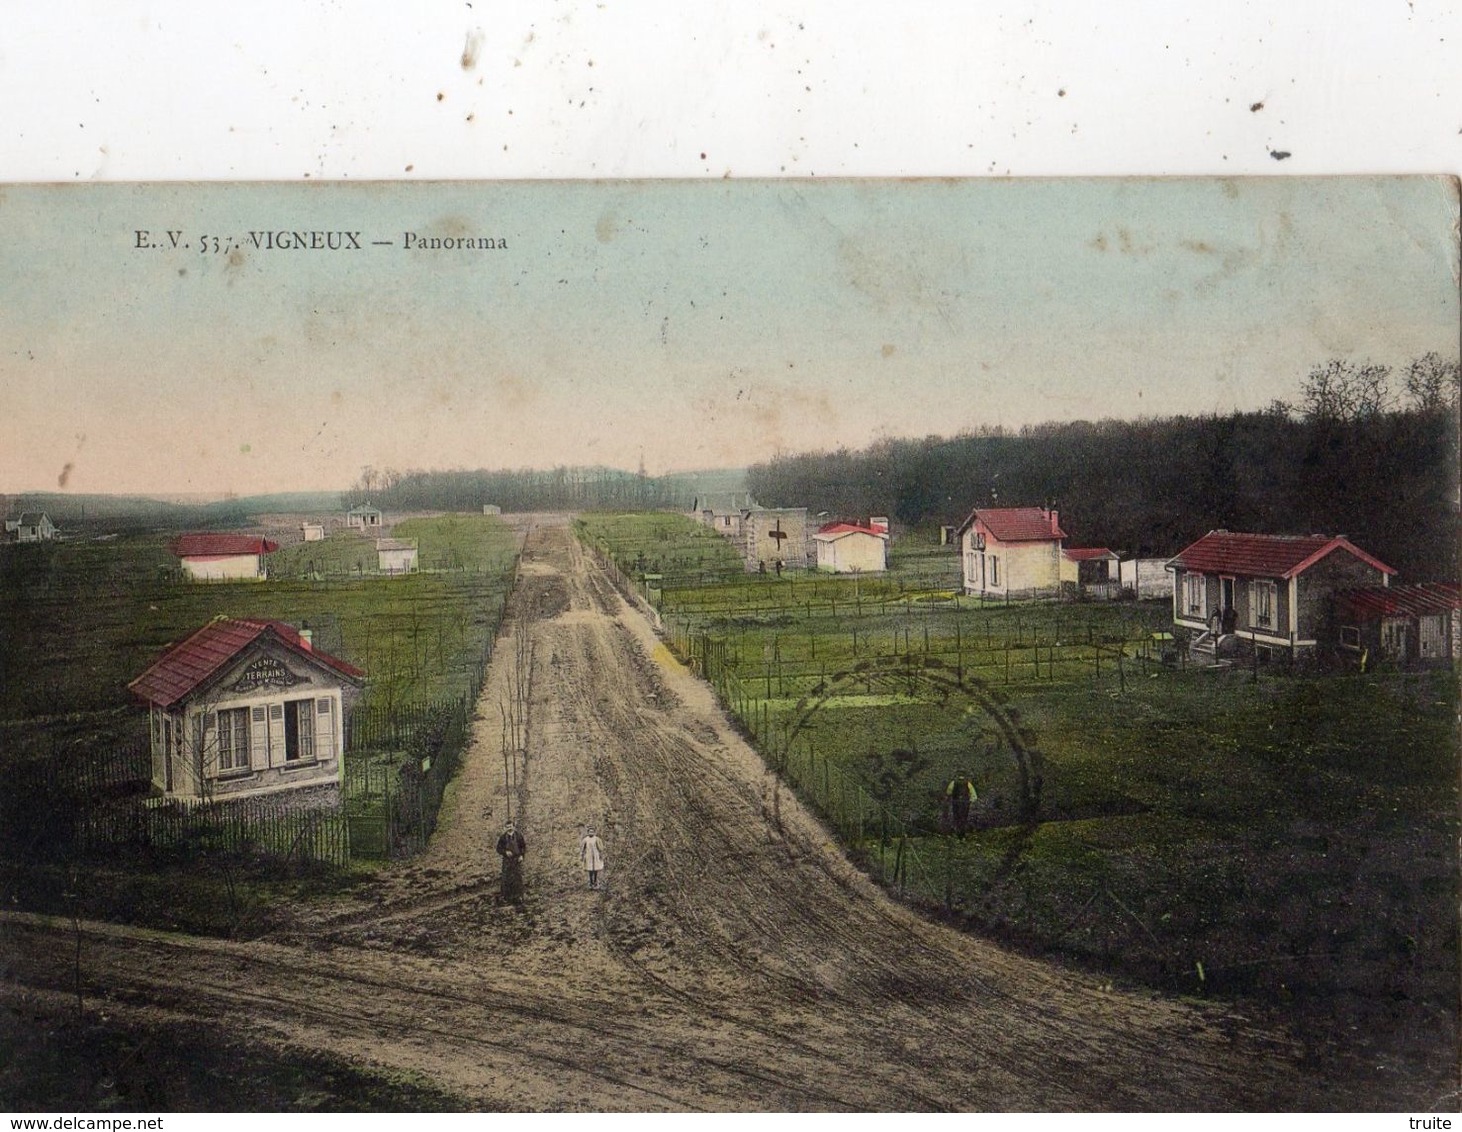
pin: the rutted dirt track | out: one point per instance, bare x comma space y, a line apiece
736, 961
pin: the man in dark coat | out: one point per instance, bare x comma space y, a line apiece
959, 794
511, 847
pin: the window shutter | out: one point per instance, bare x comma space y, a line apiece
276, 734
324, 729
258, 735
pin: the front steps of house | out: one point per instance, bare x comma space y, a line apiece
1211, 649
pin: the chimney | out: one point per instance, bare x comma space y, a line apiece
1055, 523
307, 639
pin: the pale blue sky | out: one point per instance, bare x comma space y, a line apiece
703, 323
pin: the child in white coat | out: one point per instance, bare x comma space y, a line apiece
591, 853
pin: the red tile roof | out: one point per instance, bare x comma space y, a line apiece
1265, 556
1089, 553
1416, 600
837, 530
192, 662
1016, 524
222, 545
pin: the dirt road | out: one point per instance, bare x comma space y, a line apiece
735, 960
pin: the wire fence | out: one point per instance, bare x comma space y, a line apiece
399, 760
797, 663
764, 682
393, 798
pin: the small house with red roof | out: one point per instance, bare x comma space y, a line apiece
1014, 552
1416, 624
852, 548
247, 707
1258, 591
216, 557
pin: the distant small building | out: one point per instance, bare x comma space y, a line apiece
245, 707
397, 556
1145, 577
364, 518
848, 548
312, 532
209, 557
1014, 552
1419, 623
33, 526
775, 538
1244, 591
726, 523
722, 511
491, 509
1096, 570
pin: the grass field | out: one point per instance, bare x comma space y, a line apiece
683, 553
78, 620
445, 544
1262, 832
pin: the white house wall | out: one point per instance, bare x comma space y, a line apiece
397, 561
1026, 568
852, 553
40, 532
1146, 577
223, 568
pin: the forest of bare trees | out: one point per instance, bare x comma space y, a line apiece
556, 489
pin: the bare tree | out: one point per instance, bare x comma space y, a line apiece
1346, 391
1432, 383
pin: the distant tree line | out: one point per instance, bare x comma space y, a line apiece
94, 513
557, 489
1366, 452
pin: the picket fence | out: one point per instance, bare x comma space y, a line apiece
264, 827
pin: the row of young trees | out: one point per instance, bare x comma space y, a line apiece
1366, 452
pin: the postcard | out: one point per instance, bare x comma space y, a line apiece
872, 645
